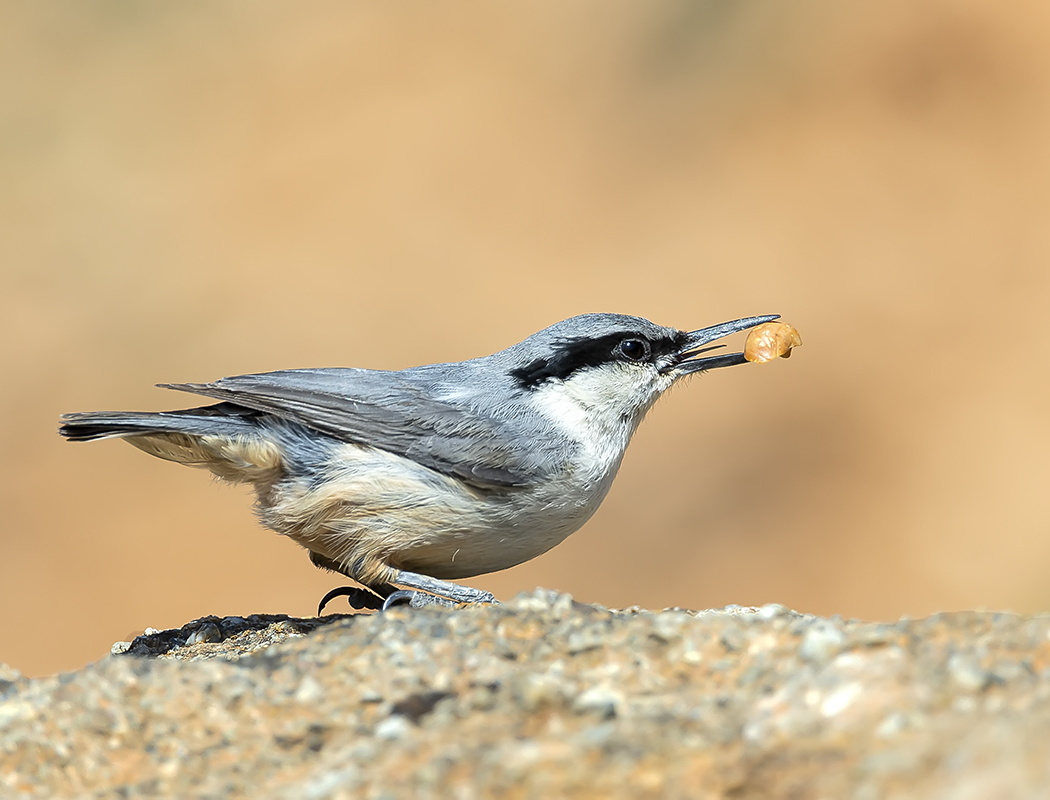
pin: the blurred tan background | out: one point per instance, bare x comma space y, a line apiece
195, 190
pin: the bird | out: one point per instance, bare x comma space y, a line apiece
407, 480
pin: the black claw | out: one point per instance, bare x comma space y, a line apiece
402, 597
360, 599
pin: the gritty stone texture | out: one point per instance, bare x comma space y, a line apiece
543, 697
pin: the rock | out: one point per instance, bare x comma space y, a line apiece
544, 697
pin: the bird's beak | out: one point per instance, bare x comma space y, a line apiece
687, 361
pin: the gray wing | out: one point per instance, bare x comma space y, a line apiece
390, 411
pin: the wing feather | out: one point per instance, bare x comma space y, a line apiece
390, 411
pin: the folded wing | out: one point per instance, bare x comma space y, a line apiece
392, 412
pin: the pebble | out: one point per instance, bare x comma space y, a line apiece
966, 672
891, 726
598, 699
207, 632
821, 642
309, 691
772, 611
537, 690
839, 700
393, 728
370, 696
9, 673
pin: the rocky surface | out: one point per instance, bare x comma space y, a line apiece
543, 697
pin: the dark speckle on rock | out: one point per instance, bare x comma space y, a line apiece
416, 706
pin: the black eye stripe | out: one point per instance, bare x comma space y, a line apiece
575, 354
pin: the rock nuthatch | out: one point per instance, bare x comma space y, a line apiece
411, 478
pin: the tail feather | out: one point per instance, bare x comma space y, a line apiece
91, 425
227, 441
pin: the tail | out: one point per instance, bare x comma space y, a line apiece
88, 426
223, 438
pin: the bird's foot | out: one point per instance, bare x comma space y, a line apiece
422, 592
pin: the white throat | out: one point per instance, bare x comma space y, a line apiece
600, 411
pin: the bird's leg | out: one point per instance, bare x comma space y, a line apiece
431, 591
414, 599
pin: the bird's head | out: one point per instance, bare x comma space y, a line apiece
600, 371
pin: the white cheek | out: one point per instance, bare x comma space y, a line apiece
600, 411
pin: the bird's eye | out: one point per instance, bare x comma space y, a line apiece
634, 349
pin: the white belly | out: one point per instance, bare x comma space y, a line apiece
375, 506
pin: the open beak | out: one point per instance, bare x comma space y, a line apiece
688, 359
